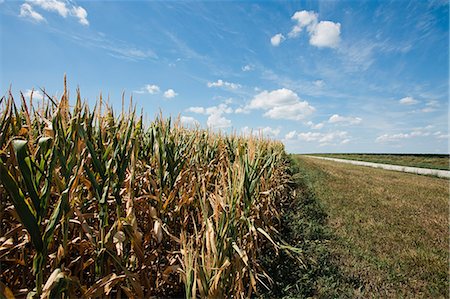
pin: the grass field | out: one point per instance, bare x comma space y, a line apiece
416, 160
391, 229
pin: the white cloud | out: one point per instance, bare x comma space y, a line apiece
189, 121
321, 34
315, 126
221, 83
304, 19
281, 104
326, 34
396, 137
215, 120
218, 121
52, 5
278, 97
247, 68
297, 111
290, 135
149, 88
408, 101
152, 88
37, 95
350, 120
221, 108
242, 110
62, 8
264, 131
392, 137
277, 39
80, 13
170, 93
26, 11
199, 110
329, 137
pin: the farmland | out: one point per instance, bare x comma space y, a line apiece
96, 204
433, 161
390, 229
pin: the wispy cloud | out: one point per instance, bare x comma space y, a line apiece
221, 83
148, 88
62, 8
27, 12
408, 101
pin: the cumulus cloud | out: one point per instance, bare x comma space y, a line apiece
408, 101
348, 120
264, 131
315, 126
189, 121
62, 8
281, 104
26, 11
337, 136
296, 111
149, 88
304, 19
321, 34
37, 95
218, 121
170, 93
326, 34
216, 118
277, 39
221, 83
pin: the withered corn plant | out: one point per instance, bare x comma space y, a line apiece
94, 204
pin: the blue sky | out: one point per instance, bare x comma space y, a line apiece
322, 76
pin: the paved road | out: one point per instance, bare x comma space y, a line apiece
416, 170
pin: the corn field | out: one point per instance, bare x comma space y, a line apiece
95, 203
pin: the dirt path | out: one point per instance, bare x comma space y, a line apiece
416, 170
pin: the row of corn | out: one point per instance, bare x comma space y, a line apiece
95, 203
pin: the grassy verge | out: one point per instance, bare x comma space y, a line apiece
417, 160
304, 225
391, 228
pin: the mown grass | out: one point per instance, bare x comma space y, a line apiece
413, 160
391, 228
304, 223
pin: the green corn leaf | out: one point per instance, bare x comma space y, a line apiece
24, 210
25, 165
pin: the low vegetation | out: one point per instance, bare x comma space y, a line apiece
414, 160
390, 228
96, 204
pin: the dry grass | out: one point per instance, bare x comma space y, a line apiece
94, 204
418, 160
392, 227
